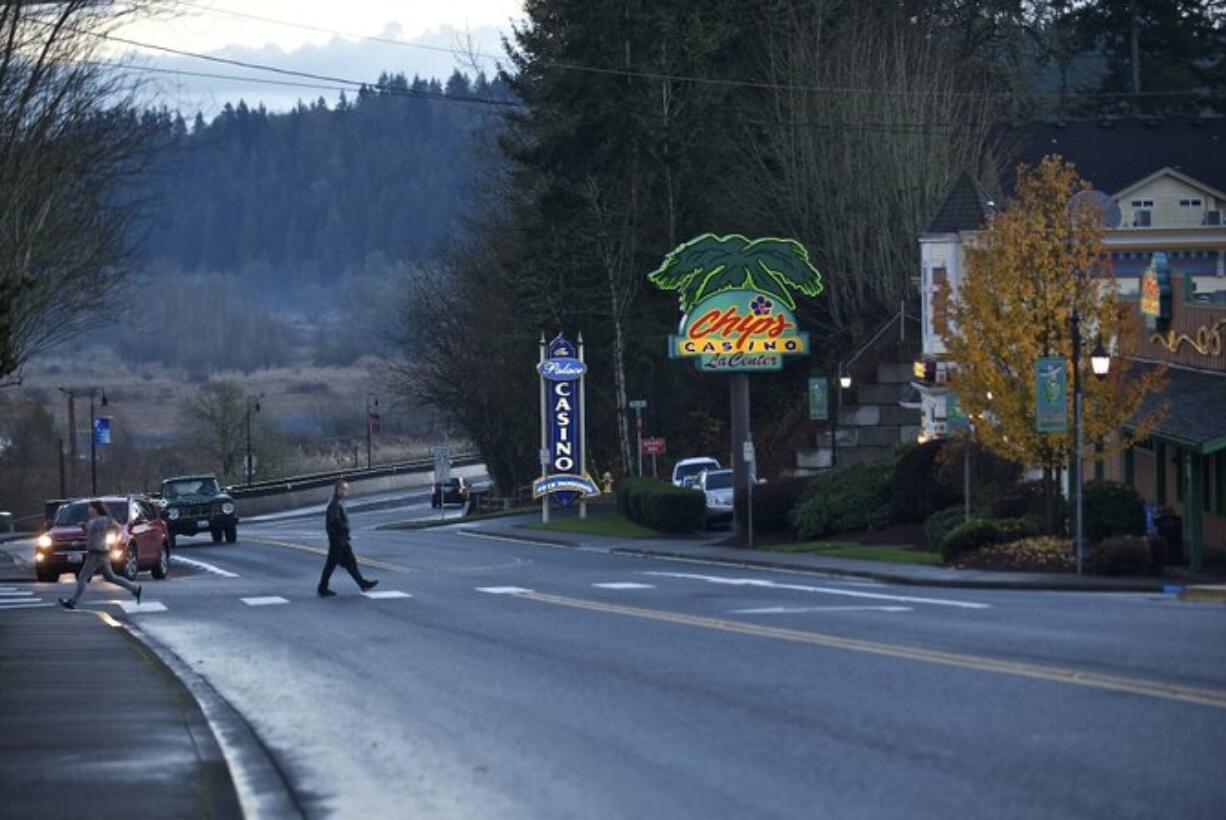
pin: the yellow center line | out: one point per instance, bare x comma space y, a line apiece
1155, 689
367, 562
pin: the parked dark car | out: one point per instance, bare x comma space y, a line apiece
193, 504
451, 491
143, 542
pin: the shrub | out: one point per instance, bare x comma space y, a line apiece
881, 517
980, 532
661, 506
773, 503
1112, 508
918, 486
1122, 555
1027, 500
937, 525
1042, 553
842, 499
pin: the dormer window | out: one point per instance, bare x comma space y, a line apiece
1142, 203
1189, 203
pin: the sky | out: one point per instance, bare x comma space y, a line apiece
308, 36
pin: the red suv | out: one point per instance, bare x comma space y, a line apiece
143, 541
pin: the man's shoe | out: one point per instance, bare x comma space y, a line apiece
67, 604
139, 589
325, 593
367, 586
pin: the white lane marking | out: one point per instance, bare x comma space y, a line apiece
386, 593
624, 585
204, 565
755, 582
787, 610
24, 604
140, 609
503, 590
266, 600
491, 537
7, 594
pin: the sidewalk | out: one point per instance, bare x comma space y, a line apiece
705, 549
92, 724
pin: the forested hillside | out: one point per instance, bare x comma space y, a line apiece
299, 199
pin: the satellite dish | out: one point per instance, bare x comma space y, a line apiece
1105, 205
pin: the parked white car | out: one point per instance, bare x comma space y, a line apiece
716, 485
687, 470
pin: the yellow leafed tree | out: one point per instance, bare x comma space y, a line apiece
1037, 261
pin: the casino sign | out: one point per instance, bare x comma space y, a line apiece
737, 302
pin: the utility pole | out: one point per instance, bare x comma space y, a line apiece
72, 440
93, 441
639, 405
252, 402
371, 419
59, 450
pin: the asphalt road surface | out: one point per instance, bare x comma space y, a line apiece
490, 678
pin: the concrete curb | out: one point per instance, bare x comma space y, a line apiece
1158, 585
259, 780
1203, 592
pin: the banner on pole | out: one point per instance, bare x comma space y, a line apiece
1051, 395
819, 399
102, 430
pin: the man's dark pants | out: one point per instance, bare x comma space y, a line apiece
341, 554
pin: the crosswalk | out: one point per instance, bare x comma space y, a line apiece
752, 596
14, 598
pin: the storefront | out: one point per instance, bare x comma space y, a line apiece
1181, 465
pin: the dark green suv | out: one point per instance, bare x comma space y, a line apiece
194, 504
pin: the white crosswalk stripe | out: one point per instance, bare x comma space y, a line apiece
266, 600
133, 608
384, 594
624, 585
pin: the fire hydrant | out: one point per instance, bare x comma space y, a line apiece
606, 481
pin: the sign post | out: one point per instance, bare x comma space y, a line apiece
653, 447
563, 438
638, 406
748, 456
736, 297
442, 474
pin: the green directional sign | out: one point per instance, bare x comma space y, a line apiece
819, 399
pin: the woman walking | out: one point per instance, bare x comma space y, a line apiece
99, 536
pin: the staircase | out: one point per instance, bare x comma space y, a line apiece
872, 419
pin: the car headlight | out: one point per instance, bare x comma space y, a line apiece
111, 538
44, 542
228, 508
172, 513
116, 555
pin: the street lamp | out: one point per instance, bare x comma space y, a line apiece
1100, 360
93, 440
253, 406
371, 418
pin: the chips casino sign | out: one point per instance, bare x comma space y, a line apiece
737, 303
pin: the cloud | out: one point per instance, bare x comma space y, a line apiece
342, 58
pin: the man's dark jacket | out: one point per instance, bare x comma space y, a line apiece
336, 522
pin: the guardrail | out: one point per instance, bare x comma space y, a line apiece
276, 486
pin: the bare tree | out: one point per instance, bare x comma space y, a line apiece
69, 141
868, 126
213, 422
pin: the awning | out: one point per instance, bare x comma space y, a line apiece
1196, 410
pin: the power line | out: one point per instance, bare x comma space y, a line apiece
696, 79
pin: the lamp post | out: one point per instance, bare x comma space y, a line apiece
1100, 364
93, 440
71, 486
843, 382
370, 424
253, 406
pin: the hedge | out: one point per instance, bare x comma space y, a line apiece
938, 525
842, 499
981, 532
773, 502
1122, 555
1112, 508
918, 485
660, 505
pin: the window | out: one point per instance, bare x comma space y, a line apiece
940, 279
1219, 484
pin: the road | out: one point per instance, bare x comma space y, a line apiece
492, 678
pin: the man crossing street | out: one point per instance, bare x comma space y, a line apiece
340, 551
